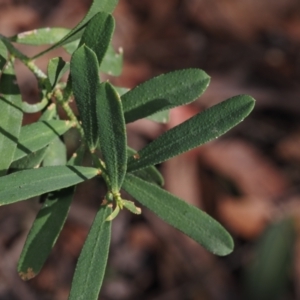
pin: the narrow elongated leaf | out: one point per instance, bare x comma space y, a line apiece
46, 228
190, 220
3, 56
164, 92
98, 33
36, 136
11, 49
56, 69
150, 174
112, 134
268, 275
10, 116
33, 108
34, 182
29, 161
112, 62
196, 131
41, 36
85, 83
92, 261
98, 5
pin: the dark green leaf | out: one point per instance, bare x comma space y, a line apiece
150, 174
10, 116
98, 33
92, 261
85, 83
37, 135
190, 220
98, 5
112, 134
34, 182
56, 69
46, 229
200, 129
164, 92
268, 274
112, 62
3, 56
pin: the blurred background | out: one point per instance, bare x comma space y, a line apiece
249, 179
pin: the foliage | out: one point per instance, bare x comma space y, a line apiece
33, 157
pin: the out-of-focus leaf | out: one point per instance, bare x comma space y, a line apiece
268, 275
85, 82
71, 47
121, 90
164, 92
34, 182
56, 154
49, 113
200, 129
131, 207
98, 33
190, 220
112, 134
97, 6
40, 36
11, 49
92, 261
56, 69
46, 228
113, 62
38, 135
10, 116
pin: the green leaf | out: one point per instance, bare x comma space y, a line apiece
98, 5
85, 83
131, 207
10, 117
71, 47
164, 92
46, 229
49, 114
150, 174
190, 220
98, 33
200, 129
113, 214
11, 49
41, 36
57, 67
112, 63
33, 108
112, 134
37, 135
3, 56
160, 117
269, 272
34, 182
56, 154
92, 261
29, 161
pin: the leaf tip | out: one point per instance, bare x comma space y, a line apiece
29, 274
